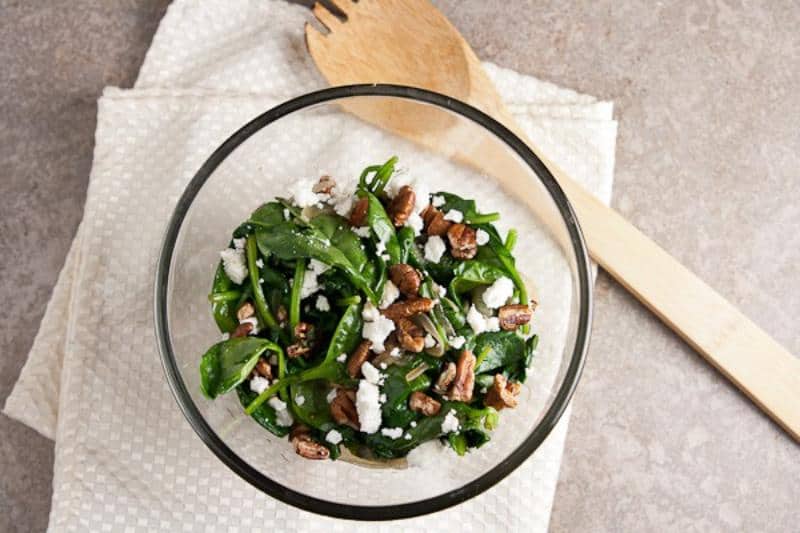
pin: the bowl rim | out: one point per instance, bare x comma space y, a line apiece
379, 512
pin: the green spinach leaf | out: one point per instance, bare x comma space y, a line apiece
264, 415
507, 352
224, 309
381, 226
471, 274
313, 410
467, 208
228, 363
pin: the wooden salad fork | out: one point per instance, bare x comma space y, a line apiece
409, 42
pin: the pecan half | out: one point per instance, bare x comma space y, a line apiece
502, 394
410, 336
343, 408
463, 241
445, 378
359, 212
245, 311
513, 316
304, 340
303, 331
435, 224
242, 330
406, 278
408, 308
263, 369
402, 205
324, 186
299, 431
293, 351
464, 383
419, 402
306, 447
357, 358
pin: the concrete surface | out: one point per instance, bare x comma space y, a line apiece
709, 150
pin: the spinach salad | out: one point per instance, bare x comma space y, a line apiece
370, 320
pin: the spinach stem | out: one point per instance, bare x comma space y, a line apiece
484, 218
258, 294
226, 296
297, 285
511, 239
482, 356
349, 300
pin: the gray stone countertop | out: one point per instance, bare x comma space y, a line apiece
708, 165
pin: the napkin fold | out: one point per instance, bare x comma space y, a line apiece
93, 381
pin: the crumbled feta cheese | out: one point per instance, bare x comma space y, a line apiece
259, 384
225, 336
493, 324
318, 266
333, 436
370, 313
371, 374
362, 231
234, 264
260, 264
413, 423
342, 204
301, 192
434, 249
438, 200
457, 342
331, 395
481, 237
498, 293
299, 399
415, 222
310, 284
476, 320
383, 398
368, 406
383, 366
450, 422
284, 417
322, 303
454, 215
441, 291
380, 248
407, 436
251, 320
286, 214
395, 352
392, 433
342, 357
390, 294
430, 342
239, 243
377, 331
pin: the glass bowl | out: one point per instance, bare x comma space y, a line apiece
460, 149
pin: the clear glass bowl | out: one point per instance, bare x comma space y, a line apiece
317, 133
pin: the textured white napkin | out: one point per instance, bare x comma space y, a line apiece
124, 455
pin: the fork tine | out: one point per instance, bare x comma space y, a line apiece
343, 5
325, 17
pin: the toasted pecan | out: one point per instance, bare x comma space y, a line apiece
406, 278
359, 213
419, 402
343, 408
359, 356
402, 205
463, 241
410, 336
464, 382
502, 393
408, 308
435, 224
513, 316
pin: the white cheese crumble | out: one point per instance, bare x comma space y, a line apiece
284, 417
286, 214
441, 291
225, 336
239, 243
413, 423
438, 200
392, 433
299, 399
371, 374
434, 249
310, 281
376, 327
301, 192
383, 366
454, 215
333, 436
342, 357
260, 264
450, 423
415, 222
390, 294
251, 320
234, 264
407, 436
498, 293
322, 303
368, 406
481, 237
370, 313
362, 231
331, 395
457, 342
395, 352
383, 397
430, 342
259, 384
380, 248
480, 323
318, 266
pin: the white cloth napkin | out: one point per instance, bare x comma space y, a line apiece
93, 381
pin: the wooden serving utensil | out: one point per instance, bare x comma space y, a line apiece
409, 42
